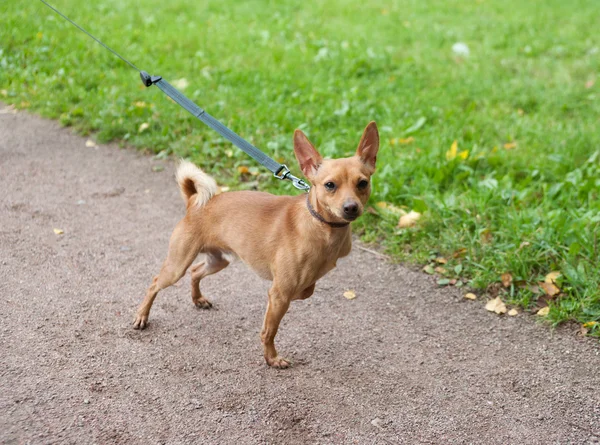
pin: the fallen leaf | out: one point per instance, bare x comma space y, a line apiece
242, 170
59, 231
181, 84
460, 252
524, 244
409, 220
140, 104
513, 312
583, 331
443, 281
551, 277
143, 126
451, 154
91, 144
544, 311
157, 168
590, 324
496, 305
441, 260
406, 141
429, 270
506, 279
350, 294
471, 296
453, 281
550, 289
510, 145
440, 269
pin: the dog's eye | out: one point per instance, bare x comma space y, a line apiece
330, 186
363, 184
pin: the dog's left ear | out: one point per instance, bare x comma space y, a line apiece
369, 145
308, 157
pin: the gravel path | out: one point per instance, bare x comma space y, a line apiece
405, 362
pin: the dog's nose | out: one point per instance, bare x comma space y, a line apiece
351, 209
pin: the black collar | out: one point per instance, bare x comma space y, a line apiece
320, 218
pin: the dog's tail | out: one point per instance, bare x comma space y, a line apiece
196, 186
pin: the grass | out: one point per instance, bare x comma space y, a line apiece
522, 194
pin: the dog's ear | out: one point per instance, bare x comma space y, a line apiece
369, 145
308, 158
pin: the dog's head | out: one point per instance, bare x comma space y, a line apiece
342, 186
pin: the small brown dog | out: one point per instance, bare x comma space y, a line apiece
291, 240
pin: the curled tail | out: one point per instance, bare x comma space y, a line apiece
196, 186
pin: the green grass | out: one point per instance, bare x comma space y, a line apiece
329, 67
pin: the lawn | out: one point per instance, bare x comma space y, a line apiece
517, 194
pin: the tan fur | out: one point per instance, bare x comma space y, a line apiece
275, 235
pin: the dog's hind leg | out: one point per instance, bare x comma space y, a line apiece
183, 249
214, 262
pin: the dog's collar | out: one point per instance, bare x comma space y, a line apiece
314, 213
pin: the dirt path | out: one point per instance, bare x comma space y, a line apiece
404, 362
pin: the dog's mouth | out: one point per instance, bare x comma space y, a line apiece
351, 218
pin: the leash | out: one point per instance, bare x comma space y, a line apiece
280, 171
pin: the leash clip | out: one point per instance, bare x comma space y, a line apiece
284, 173
149, 80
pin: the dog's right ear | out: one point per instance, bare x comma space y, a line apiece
308, 158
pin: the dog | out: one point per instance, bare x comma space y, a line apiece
290, 240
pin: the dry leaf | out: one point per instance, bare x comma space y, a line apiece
350, 294
242, 169
441, 260
143, 126
460, 252
409, 220
428, 270
550, 289
496, 305
471, 296
506, 279
510, 145
451, 154
513, 312
91, 144
544, 311
486, 236
59, 231
551, 277
440, 269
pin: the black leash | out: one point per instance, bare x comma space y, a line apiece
280, 171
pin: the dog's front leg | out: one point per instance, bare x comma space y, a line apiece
278, 304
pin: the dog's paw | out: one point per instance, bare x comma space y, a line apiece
278, 363
203, 303
141, 321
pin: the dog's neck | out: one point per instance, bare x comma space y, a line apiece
313, 210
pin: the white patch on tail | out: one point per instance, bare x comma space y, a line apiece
196, 187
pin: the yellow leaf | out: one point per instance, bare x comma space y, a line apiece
440, 269
510, 145
409, 220
464, 154
513, 312
350, 294
460, 252
506, 279
551, 277
140, 104
91, 144
544, 311
242, 169
143, 127
59, 231
441, 260
451, 154
496, 305
471, 296
406, 141
550, 289
590, 324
